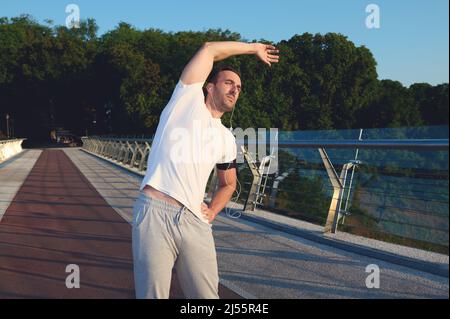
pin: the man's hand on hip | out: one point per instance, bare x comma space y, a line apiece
208, 213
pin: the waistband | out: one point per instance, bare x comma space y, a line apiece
159, 203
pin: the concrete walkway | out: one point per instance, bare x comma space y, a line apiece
13, 173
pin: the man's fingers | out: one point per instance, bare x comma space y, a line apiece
208, 214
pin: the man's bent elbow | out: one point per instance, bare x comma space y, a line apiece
211, 50
206, 46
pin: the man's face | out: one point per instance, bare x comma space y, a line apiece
226, 91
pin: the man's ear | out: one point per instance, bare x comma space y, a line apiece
209, 87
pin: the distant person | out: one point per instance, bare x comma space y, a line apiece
171, 223
53, 136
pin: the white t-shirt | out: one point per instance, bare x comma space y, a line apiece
187, 145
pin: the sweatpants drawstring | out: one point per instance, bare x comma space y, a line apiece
178, 215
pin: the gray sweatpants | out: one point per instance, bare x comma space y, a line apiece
166, 236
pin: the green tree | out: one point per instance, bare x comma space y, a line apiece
119, 83
432, 102
393, 106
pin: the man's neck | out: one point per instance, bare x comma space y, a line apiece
214, 112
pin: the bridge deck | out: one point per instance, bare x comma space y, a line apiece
55, 220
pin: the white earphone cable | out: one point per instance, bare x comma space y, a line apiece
234, 200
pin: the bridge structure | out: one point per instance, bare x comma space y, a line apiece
61, 207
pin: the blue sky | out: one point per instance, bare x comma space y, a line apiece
412, 44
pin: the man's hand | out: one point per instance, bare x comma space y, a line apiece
267, 53
208, 213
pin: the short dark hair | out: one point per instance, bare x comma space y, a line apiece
215, 73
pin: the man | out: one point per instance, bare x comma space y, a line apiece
171, 224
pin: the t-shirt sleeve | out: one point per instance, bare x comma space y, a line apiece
184, 94
181, 88
230, 152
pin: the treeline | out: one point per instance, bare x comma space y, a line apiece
118, 83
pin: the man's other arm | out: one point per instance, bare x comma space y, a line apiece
227, 186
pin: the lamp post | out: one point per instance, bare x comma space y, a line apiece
7, 125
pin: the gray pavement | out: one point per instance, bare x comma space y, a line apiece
260, 262
13, 173
273, 264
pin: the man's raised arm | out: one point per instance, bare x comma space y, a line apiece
199, 67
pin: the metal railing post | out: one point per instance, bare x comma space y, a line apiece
333, 214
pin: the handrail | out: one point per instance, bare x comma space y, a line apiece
12, 140
402, 144
398, 144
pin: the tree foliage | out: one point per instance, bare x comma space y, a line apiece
118, 83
